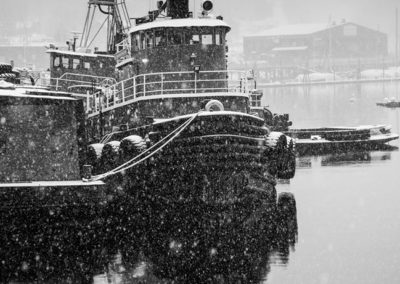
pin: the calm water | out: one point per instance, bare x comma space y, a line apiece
347, 204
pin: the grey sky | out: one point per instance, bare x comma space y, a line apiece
57, 18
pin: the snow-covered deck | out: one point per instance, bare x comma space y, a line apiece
67, 183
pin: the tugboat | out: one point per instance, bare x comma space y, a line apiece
172, 127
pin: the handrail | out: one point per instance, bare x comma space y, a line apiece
91, 79
163, 84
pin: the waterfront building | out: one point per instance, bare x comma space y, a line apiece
293, 49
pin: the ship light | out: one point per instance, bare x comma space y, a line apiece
193, 57
145, 60
207, 6
196, 68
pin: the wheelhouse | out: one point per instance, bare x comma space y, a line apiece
74, 71
174, 45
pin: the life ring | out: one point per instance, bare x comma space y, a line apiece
212, 104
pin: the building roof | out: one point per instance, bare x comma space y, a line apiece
176, 23
290, 48
300, 29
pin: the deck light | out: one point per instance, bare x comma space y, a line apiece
193, 57
196, 68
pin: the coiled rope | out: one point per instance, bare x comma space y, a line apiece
129, 164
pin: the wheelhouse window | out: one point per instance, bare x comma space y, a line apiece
76, 64
136, 42
65, 62
207, 39
142, 41
218, 39
57, 61
195, 39
149, 39
174, 37
160, 38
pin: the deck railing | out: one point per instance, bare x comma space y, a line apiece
169, 83
70, 81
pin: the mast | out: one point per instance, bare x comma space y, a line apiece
116, 20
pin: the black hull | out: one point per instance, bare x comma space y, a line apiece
51, 231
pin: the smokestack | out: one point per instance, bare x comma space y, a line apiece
178, 9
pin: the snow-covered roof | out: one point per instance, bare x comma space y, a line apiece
290, 48
177, 23
68, 52
35, 94
300, 29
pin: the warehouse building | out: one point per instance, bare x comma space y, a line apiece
315, 45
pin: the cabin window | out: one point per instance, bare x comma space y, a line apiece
136, 42
195, 39
142, 41
186, 36
160, 37
57, 61
76, 64
207, 39
174, 37
65, 62
218, 39
86, 65
149, 39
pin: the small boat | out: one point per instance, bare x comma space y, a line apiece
389, 103
329, 139
325, 139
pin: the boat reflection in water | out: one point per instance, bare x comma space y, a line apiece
184, 247
129, 243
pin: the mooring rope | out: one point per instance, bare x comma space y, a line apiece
127, 165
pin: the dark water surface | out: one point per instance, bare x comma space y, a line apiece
347, 228
347, 204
